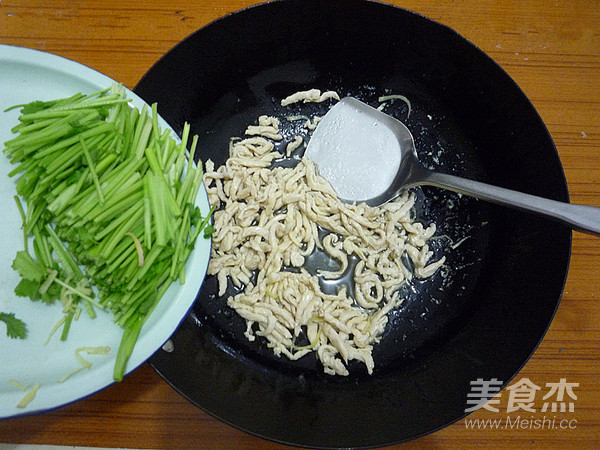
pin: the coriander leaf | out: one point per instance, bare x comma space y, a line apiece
27, 267
194, 211
35, 106
27, 108
28, 288
208, 230
15, 328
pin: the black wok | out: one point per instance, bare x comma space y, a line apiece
482, 317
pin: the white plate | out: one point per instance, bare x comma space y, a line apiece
27, 75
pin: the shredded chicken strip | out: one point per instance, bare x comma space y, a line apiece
311, 95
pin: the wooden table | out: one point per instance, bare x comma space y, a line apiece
550, 47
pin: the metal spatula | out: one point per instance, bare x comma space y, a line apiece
369, 156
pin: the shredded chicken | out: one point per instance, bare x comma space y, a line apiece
292, 146
267, 127
312, 95
268, 221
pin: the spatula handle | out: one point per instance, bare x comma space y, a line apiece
579, 217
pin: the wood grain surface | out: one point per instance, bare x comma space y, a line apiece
552, 50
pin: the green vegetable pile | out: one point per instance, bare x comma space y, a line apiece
109, 208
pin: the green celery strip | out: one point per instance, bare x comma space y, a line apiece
41, 248
63, 254
130, 335
147, 216
89, 308
90, 163
152, 255
158, 213
102, 127
67, 325
120, 232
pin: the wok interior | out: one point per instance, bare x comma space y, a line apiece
481, 318
432, 305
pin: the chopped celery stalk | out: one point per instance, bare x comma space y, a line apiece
107, 201
128, 341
